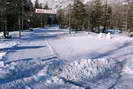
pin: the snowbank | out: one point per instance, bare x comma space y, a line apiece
5, 45
128, 67
87, 71
2, 54
113, 37
1, 35
4, 72
9, 44
121, 38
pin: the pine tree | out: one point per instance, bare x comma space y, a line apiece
130, 17
11, 13
78, 16
96, 15
61, 19
2, 15
46, 6
3, 20
117, 15
107, 16
18, 10
37, 5
46, 16
37, 18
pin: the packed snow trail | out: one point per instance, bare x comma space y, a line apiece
34, 45
28, 58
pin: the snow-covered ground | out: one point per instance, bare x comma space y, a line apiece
5, 45
51, 58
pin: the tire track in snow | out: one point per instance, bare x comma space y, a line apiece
53, 51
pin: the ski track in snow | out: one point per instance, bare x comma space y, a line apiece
50, 58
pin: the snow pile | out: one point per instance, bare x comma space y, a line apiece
128, 67
54, 80
121, 38
1, 35
5, 45
101, 35
86, 71
2, 54
105, 36
1, 63
109, 36
8, 44
113, 37
4, 73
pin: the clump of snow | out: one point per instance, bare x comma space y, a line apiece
8, 44
2, 54
128, 67
121, 38
27, 87
1, 35
42, 73
4, 74
87, 70
104, 36
108, 36
101, 35
127, 70
1, 63
55, 80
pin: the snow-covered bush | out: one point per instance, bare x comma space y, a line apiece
86, 71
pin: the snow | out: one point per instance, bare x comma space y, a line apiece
128, 67
1, 35
1, 63
86, 71
51, 58
2, 54
77, 47
5, 46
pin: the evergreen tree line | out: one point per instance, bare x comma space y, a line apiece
96, 16
17, 15
14, 15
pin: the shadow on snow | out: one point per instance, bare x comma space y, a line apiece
96, 55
